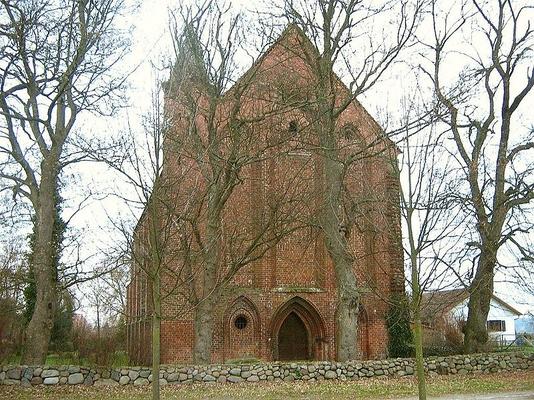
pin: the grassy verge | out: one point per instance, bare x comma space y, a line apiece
116, 360
364, 389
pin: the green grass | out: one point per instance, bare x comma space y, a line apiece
514, 349
118, 359
363, 389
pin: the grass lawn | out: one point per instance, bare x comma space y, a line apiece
117, 359
363, 389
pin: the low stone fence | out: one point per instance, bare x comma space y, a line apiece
310, 371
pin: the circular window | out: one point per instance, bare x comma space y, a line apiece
240, 322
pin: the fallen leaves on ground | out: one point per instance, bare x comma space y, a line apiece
378, 388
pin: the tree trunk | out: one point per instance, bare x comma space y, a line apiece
203, 323
40, 326
481, 290
419, 357
337, 246
347, 316
156, 336
203, 329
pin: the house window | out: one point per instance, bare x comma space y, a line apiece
240, 322
496, 326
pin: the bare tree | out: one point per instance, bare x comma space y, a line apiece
337, 30
428, 214
56, 63
12, 282
485, 105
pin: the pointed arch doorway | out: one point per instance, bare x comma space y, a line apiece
297, 332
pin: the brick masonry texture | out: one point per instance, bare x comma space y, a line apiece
297, 275
271, 372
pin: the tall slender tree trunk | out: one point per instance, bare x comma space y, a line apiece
419, 357
415, 283
156, 336
418, 329
44, 253
157, 242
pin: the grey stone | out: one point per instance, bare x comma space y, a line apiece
235, 371
234, 379
253, 378
88, 381
115, 375
124, 380
2, 375
141, 382
245, 374
27, 373
144, 374
173, 377
209, 378
409, 370
49, 373
330, 374
133, 375
75, 379
73, 369
51, 380
14, 373
25, 382
37, 371
63, 380
221, 379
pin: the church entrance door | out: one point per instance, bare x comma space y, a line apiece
298, 332
293, 339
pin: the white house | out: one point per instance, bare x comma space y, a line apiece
451, 305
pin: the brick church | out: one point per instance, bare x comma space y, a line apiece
282, 305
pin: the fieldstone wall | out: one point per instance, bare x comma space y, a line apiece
312, 371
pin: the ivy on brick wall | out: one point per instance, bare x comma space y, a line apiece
399, 332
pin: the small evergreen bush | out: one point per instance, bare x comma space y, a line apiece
399, 331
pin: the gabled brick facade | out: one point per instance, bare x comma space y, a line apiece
283, 305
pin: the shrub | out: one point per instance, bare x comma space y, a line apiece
398, 323
445, 341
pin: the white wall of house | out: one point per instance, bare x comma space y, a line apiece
497, 312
